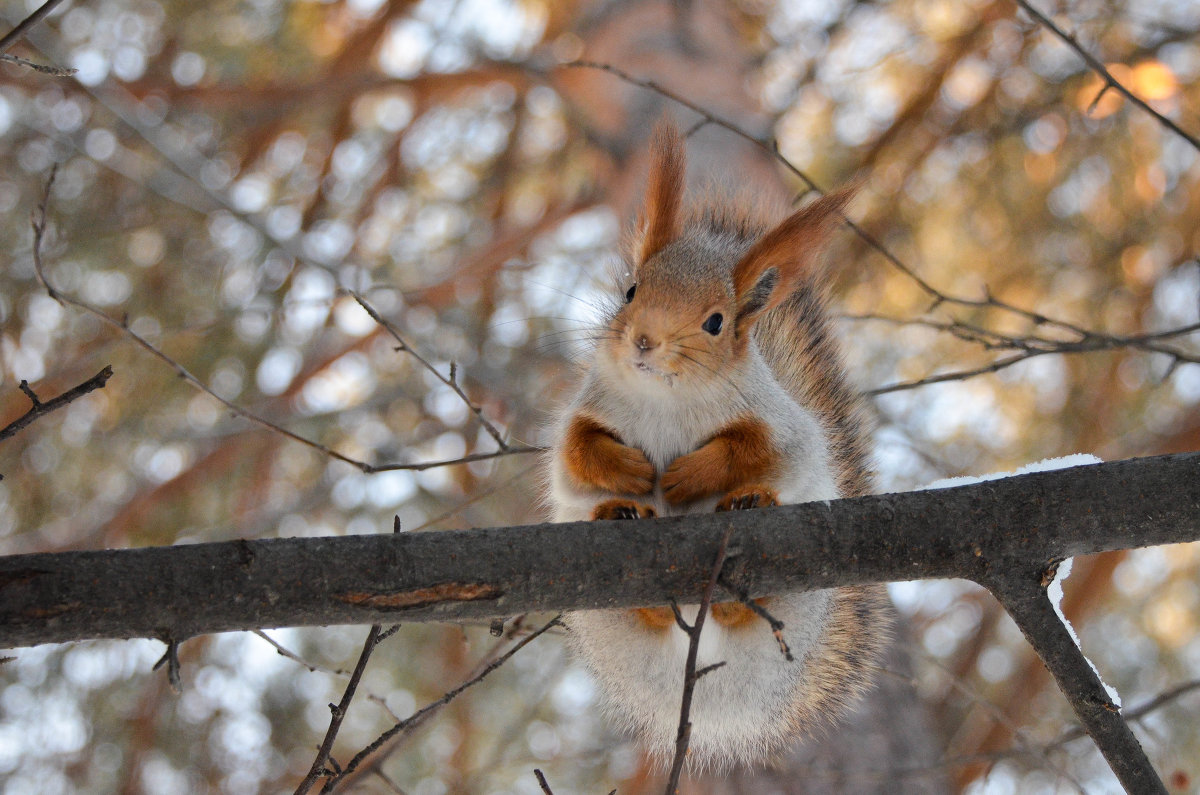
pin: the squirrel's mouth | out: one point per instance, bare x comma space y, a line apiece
649, 369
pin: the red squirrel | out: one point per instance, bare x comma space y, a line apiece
717, 385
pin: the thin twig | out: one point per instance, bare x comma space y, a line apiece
774, 623
338, 713
53, 71
416, 718
18, 33
283, 651
690, 674
1099, 68
541, 779
40, 407
451, 382
39, 229
1142, 710
170, 658
768, 145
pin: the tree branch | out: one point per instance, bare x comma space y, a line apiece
1100, 69
41, 407
1024, 597
979, 532
338, 713
18, 33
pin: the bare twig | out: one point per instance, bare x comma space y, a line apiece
338, 711
54, 71
690, 674
1100, 69
39, 229
451, 382
18, 33
1070, 735
774, 623
769, 145
417, 717
170, 658
283, 651
1031, 346
41, 407
1142, 710
541, 779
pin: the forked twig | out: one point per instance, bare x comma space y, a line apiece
39, 230
338, 713
1100, 69
690, 674
42, 407
417, 717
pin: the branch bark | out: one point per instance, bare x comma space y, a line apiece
984, 532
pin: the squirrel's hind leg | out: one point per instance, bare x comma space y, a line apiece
735, 614
657, 618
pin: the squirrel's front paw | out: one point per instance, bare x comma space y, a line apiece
745, 499
622, 509
698, 474
594, 458
631, 471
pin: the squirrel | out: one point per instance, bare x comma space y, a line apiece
717, 384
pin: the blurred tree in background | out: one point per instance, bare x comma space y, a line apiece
226, 172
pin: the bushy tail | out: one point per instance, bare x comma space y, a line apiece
798, 342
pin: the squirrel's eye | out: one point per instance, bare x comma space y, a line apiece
629, 293
713, 324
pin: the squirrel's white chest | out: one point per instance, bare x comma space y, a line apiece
664, 429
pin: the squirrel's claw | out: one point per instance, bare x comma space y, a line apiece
622, 509
745, 499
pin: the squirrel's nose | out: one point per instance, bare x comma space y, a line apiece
643, 343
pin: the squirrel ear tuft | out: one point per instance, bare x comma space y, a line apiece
664, 193
787, 251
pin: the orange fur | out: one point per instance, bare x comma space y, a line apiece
594, 457
655, 617
622, 509
732, 615
748, 497
790, 248
664, 194
741, 454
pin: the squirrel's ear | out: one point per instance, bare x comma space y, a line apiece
771, 269
664, 193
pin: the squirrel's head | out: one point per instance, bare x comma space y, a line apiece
693, 293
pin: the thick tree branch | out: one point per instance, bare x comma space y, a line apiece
1025, 600
984, 532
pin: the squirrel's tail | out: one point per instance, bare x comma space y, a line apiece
798, 343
